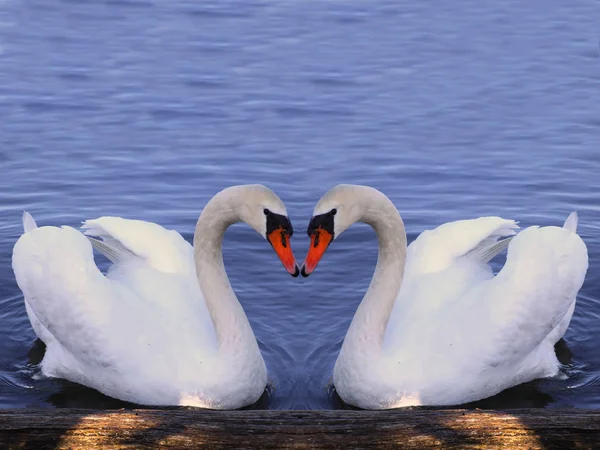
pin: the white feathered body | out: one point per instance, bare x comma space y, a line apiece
456, 332
143, 332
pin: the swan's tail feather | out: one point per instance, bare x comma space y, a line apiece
571, 222
28, 222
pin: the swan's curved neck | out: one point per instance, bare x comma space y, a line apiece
228, 317
371, 318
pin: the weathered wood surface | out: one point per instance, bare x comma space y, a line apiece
412, 428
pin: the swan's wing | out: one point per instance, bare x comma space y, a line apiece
150, 309
532, 297
123, 241
478, 239
154, 263
441, 266
71, 302
456, 301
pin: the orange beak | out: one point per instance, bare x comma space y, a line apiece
319, 241
280, 240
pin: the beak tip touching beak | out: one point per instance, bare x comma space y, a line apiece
296, 271
304, 272
280, 241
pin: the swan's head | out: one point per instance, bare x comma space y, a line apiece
264, 211
339, 208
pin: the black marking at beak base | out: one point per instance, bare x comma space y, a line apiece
276, 221
324, 221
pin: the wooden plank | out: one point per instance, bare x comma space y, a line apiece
407, 428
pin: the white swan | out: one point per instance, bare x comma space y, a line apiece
436, 327
164, 326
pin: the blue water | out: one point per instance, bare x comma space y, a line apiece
145, 109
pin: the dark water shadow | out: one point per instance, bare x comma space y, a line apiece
527, 395
77, 396
563, 352
36, 352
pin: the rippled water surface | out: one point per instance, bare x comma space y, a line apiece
145, 109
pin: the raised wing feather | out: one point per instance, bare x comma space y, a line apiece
438, 249
123, 240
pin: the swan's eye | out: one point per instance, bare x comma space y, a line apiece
333, 212
266, 211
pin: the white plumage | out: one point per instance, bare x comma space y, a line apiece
458, 333
436, 327
151, 331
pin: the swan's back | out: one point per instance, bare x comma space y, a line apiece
142, 332
63, 288
461, 331
534, 292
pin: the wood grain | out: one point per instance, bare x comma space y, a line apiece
407, 428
